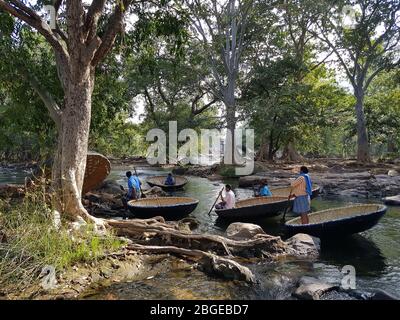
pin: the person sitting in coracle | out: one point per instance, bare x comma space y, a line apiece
228, 201
170, 181
264, 190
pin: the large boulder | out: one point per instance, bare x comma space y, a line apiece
154, 192
110, 187
380, 294
249, 181
240, 231
310, 288
304, 245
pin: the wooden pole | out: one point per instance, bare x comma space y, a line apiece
140, 185
216, 201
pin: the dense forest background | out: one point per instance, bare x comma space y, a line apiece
292, 83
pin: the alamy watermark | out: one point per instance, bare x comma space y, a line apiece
348, 17
349, 279
211, 146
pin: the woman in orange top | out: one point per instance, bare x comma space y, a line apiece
302, 190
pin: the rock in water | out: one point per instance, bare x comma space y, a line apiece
304, 245
155, 192
312, 289
393, 173
383, 295
226, 268
239, 230
392, 201
249, 181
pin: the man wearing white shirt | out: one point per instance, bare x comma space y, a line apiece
228, 201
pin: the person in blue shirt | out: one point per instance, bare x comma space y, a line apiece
264, 190
133, 186
170, 181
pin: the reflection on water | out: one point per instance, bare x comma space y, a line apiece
375, 254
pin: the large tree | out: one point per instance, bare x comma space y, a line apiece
82, 37
222, 27
364, 48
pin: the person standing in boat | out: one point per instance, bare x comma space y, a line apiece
302, 190
264, 190
133, 186
170, 181
228, 200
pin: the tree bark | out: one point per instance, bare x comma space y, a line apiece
290, 153
363, 154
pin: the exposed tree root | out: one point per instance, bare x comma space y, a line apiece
214, 253
210, 263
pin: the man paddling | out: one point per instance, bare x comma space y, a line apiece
228, 200
133, 189
302, 190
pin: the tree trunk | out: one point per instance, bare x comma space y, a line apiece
363, 154
392, 147
290, 153
230, 107
70, 160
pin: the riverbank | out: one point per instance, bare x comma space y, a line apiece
336, 177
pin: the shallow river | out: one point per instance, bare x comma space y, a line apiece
375, 255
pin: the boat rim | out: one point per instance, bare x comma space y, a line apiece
284, 199
133, 203
380, 207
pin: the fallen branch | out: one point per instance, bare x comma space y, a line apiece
209, 263
160, 233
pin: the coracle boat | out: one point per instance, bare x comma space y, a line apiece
98, 168
167, 207
254, 208
159, 182
284, 191
338, 221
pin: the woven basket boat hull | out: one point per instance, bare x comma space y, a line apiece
168, 207
339, 221
158, 181
98, 168
254, 208
284, 192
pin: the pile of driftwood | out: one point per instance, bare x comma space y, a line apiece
216, 255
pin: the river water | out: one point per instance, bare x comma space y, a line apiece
375, 254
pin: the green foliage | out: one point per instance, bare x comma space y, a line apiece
33, 242
382, 108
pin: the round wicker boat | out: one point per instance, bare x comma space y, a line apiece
98, 168
338, 221
254, 208
167, 207
159, 182
285, 191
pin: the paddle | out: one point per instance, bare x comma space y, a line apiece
140, 185
287, 208
219, 194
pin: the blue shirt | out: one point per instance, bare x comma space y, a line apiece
169, 181
264, 192
308, 183
133, 182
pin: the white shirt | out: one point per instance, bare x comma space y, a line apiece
229, 199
